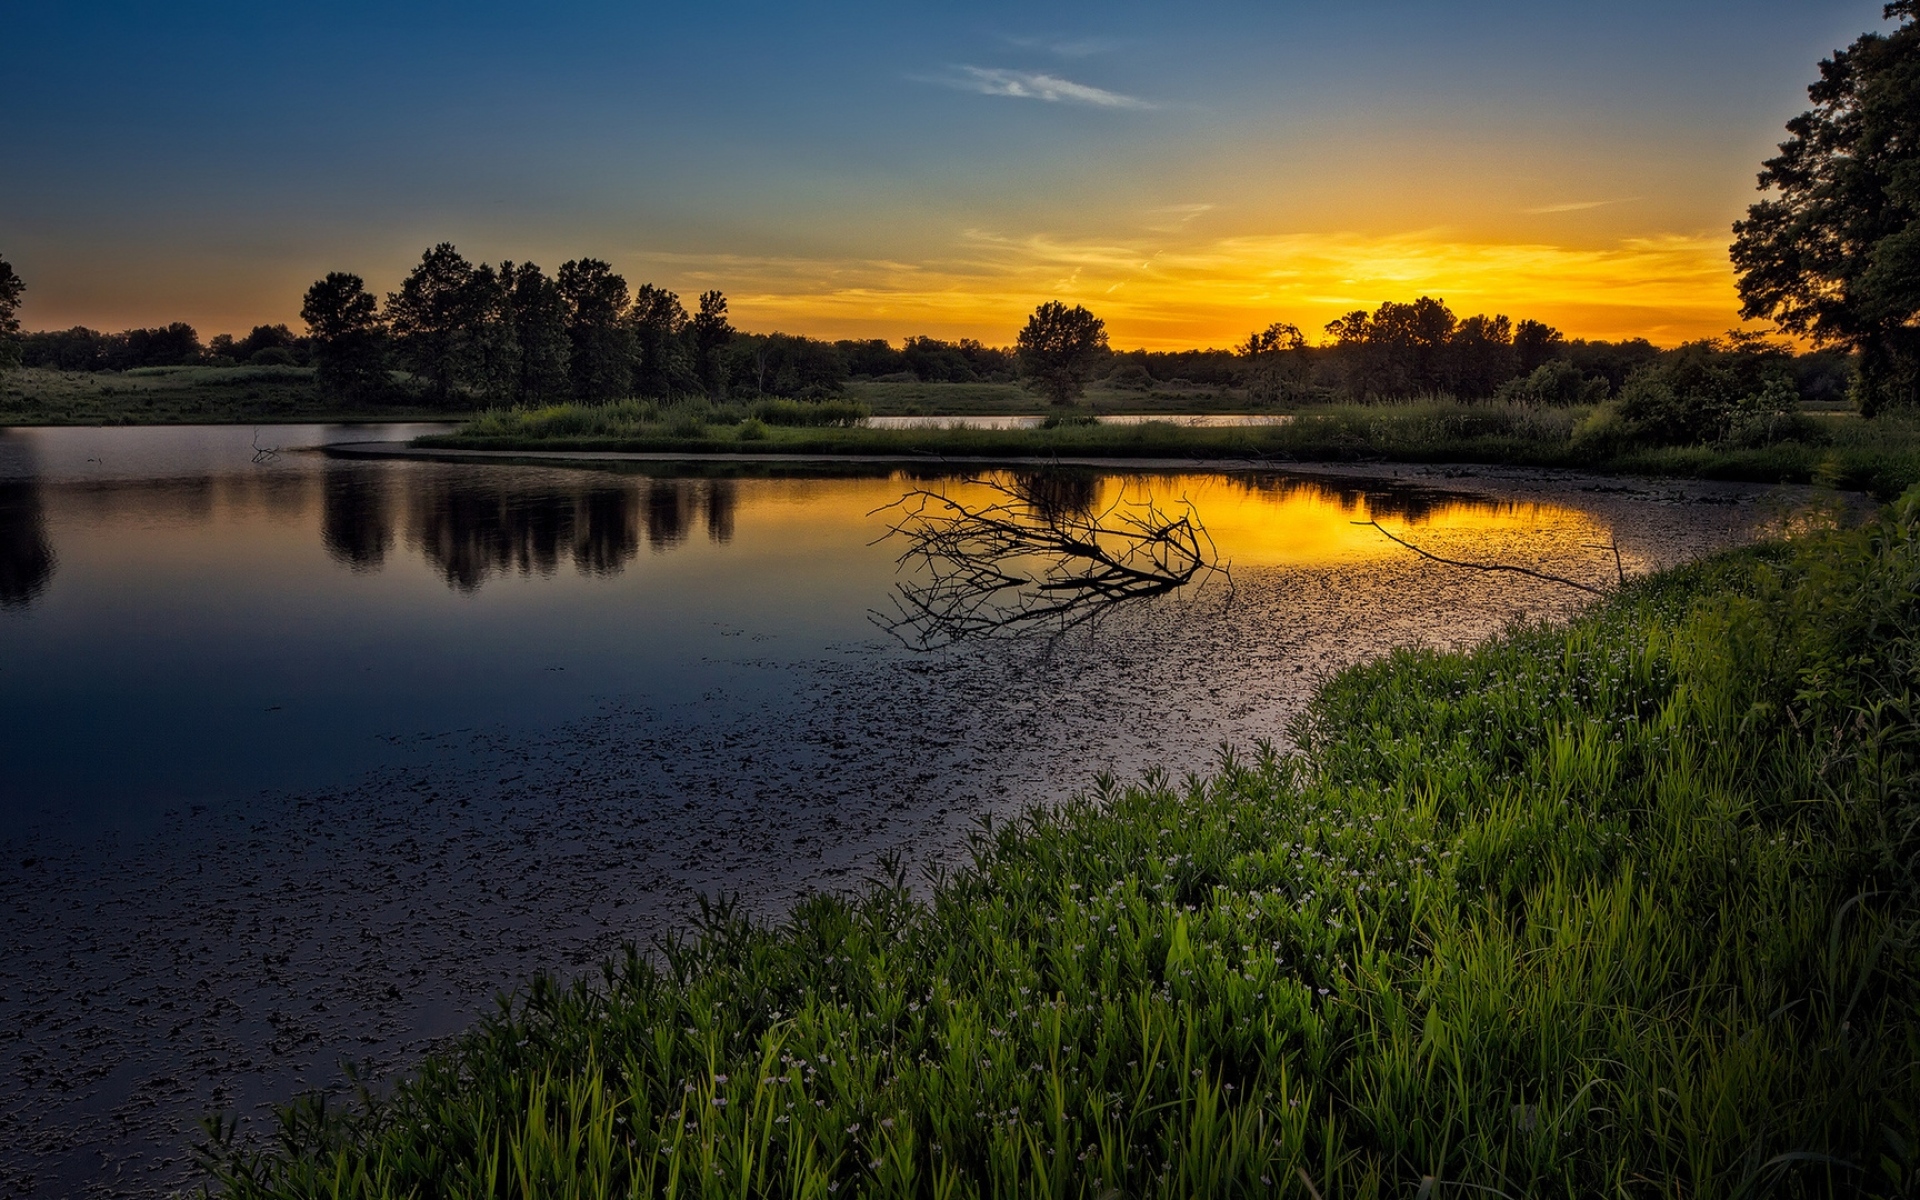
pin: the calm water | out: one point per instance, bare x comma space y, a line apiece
305, 757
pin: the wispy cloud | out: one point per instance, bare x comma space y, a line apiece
1033, 85
1065, 47
1576, 206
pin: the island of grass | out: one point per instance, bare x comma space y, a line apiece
1880, 455
1625, 907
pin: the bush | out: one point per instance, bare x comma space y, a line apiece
1557, 383
842, 414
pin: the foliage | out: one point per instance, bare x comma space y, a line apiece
1836, 252
349, 343
1558, 382
1277, 366
1625, 907
816, 414
434, 318
708, 335
601, 343
1058, 349
12, 287
538, 314
1737, 388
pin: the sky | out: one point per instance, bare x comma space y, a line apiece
1189, 172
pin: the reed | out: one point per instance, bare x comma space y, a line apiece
1623, 907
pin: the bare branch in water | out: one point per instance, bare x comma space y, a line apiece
1472, 566
1035, 556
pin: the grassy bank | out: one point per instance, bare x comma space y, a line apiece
1625, 907
1881, 456
180, 396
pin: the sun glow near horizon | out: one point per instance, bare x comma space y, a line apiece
1666, 288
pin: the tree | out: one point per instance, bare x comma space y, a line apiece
709, 332
600, 346
1535, 344
432, 321
12, 287
1835, 254
1397, 350
661, 365
1276, 362
1060, 348
538, 314
349, 343
1479, 356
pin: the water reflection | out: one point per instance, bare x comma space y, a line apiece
356, 517
473, 528
26, 557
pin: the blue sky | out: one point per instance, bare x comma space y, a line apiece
890, 169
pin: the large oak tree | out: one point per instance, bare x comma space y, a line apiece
1835, 252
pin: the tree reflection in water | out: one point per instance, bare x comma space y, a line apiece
356, 516
474, 530
1036, 554
26, 557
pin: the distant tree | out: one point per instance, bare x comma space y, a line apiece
1535, 344
264, 344
1836, 254
707, 335
432, 320
782, 364
1613, 361
1397, 350
600, 354
12, 287
349, 343
538, 313
1060, 348
1479, 356
871, 357
172, 345
662, 365
1276, 359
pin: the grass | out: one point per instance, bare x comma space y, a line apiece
179, 395
890, 399
1881, 457
1625, 907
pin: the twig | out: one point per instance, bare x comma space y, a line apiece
1454, 562
1034, 556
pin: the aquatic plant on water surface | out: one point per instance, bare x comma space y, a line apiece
1623, 907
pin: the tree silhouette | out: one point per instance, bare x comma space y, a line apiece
1276, 362
600, 343
1059, 349
1836, 254
349, 344
12, 287
709, 333
433, 321
658, 321
539, 315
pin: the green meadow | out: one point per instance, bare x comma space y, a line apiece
1621, 907
187, 395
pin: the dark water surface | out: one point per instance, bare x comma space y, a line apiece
305, 757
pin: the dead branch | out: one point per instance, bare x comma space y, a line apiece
1036, 556
1507, 567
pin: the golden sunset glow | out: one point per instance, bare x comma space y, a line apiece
1175, 295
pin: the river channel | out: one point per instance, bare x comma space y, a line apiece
306, 757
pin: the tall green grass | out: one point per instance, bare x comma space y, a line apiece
1621, 908
1881, 456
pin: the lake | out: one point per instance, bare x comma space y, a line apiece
307, 756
